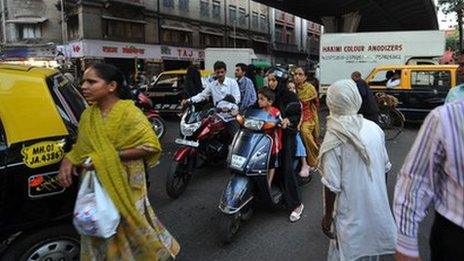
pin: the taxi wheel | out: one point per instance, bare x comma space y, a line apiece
54, 243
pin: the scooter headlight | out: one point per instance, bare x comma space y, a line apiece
253, 124
189, 129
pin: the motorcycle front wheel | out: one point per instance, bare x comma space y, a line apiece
229, 226
159, 126
178, 178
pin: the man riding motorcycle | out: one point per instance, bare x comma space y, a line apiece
225, 94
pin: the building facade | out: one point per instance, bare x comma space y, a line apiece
29, 28
154, 35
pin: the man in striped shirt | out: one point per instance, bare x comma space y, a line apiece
433, 173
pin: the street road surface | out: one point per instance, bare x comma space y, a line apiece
269, 235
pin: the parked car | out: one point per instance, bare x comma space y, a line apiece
39, 113
166, 91
421, 87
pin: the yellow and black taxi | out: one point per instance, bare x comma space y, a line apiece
167, 90
39, 113
419, 88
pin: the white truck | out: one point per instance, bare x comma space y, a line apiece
231, 56
343, 53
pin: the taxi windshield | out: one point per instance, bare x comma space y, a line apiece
69, 100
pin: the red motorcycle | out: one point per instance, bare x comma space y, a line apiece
146, 105
205, 138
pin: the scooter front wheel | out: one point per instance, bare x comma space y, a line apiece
178, 178
229, 226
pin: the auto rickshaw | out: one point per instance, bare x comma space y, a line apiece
39, 113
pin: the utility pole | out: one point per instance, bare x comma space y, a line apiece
159, 19
226, 31
459, 11
63, 24
2, 2
235, 33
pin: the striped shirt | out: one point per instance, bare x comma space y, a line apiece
433, 173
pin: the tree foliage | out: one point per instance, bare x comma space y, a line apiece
452, 42
451, 6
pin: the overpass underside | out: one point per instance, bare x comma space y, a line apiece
363, 15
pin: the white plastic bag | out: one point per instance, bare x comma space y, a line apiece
95, 213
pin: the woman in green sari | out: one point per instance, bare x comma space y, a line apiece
118, 138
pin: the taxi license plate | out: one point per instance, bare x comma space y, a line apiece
237, 162
189, 143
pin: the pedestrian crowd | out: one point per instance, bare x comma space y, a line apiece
352, 160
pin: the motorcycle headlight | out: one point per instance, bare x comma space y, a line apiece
189, 129
253, 124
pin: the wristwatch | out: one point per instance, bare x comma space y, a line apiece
120, 153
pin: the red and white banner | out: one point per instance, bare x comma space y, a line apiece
111, 49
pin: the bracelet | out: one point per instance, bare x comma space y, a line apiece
120, 153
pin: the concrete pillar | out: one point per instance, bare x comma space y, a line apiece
351, 22
346, 23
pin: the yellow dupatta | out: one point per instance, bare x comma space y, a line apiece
308, 94
125, 127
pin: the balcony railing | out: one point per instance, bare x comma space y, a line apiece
128, 2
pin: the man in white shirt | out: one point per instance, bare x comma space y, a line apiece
394, 81
224, 91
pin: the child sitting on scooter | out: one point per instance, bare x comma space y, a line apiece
266, 97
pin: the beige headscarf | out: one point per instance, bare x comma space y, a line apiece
344, 123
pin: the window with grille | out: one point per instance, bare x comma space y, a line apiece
184, 5
204, 8
242, 16
117, 30
168, 3
254, 20
263, 22
174, 37
216, 9
232, 13
29, 31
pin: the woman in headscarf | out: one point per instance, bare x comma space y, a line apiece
310, 123
118, 138
288, 104
192, 84
353, 165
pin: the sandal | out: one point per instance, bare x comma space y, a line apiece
296, 215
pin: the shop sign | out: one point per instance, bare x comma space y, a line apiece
24, 53
72, 50
181, 53
110, 49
